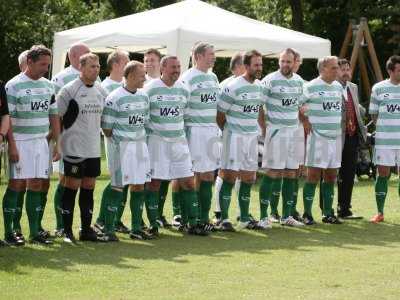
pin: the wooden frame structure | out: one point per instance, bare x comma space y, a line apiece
358, 36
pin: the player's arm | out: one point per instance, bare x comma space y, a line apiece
374, 106
107, 117
223, 106
4, 113
303, 111
261, 120
12, 108
54, 120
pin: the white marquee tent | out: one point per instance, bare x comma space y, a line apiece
173, 29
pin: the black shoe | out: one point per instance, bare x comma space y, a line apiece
140, 235
297, 217
162, 222
88, 235
227, 226
44, 233
153, 231
40, 240
208, 227
308, 220
13, 240
108, 237
59, 233
19, 235
121, 228
348, 215
99, 228
197, 230
3, 243
331, 220
69, 238
253, 223
183, 228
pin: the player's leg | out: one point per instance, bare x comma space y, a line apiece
12, 211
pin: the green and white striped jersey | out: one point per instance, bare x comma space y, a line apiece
385, 102
30, 102
324, 102
204, 95
126, 114
283, 97
63, 77
241, 102
167, 107
225, 82
110, 85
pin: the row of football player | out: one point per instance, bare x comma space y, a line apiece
240, 127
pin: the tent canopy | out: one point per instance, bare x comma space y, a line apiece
173, 29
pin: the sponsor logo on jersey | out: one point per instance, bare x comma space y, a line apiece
208, 98
393, 108
40, 105
169, 111
251, 108
332, 106
289, 102
136, 119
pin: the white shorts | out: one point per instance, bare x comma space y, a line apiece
169, 160
323, 153
239, 151
33, 160
128, 162
283, 148
301, 141
205, 148
387, 157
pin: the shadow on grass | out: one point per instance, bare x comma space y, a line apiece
174, 246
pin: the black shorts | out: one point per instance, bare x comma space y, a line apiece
81, 167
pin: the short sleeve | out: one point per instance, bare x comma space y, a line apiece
109, 114
226, 101
374, 103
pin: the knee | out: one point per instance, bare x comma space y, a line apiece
18, 185
88, 183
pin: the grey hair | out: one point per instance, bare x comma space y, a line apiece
323, 61
22, 58
201, 48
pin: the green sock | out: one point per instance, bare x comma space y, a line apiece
43, 201
244, 201
33, 206
9, 205
103, 203
275, 193
18, 211
151, 201
176, 207
381, 188
308, 197
162, 196
111, 207
121, 205
295, 194
225, 195
183, 207
264, 195
191, 206
136, 204
287, 197
328, 191
205, 195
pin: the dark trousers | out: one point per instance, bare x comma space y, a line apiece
346, 174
